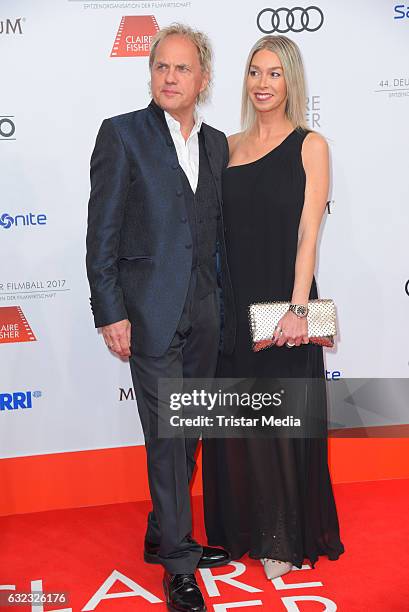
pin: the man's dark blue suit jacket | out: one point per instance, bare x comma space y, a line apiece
138, 258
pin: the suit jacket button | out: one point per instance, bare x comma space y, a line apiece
169, 142
188, 246
183, 219
179, 193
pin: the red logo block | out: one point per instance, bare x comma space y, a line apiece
134, 36
14, 326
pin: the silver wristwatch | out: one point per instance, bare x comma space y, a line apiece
301, 310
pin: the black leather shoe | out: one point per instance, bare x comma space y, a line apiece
211, 557
182, 593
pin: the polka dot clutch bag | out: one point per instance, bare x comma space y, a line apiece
264, 316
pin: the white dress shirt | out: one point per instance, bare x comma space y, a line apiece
187, 151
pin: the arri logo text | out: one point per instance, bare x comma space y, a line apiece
18, 399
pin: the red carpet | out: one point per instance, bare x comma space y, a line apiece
85, 550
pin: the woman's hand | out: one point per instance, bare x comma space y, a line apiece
294, 330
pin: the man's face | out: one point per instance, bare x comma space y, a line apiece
176, 75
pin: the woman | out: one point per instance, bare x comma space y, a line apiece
272, 497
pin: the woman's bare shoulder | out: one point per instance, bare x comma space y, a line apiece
314, 142
233, 140
314, 149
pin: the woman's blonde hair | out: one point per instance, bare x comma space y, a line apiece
203, 46
293, 68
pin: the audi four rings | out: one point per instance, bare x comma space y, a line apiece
296, 19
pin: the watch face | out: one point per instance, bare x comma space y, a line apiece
301, 310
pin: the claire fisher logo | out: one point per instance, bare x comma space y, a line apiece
134, 37
296, 19
14, 327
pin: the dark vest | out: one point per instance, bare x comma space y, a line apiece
203, 214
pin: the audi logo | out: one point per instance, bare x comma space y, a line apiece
296, 19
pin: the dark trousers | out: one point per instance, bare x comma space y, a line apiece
171, 461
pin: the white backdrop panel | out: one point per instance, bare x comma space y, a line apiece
59, 82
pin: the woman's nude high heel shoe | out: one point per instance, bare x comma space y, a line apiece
274, 568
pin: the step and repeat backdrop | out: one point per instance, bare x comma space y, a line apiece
68, 64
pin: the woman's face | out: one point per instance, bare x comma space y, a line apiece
266, 85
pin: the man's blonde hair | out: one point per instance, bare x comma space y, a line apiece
203, 46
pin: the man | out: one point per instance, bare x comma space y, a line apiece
154, 233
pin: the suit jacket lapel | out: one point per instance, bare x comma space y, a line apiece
215, 164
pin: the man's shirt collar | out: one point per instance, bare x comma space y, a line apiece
174, 125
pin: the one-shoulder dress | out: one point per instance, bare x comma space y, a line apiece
269, 497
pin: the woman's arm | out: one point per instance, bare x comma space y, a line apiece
315, 158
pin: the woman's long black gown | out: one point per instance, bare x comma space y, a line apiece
270, 497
